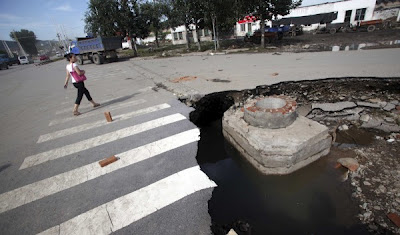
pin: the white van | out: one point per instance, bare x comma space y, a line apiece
23, 59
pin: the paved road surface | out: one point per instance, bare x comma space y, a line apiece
51, 181
50, 178
246, 71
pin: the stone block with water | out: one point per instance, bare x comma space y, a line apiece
268, 132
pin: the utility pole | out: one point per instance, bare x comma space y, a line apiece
19, 44
10, 54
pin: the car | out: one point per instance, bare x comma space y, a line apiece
3, 64
23, 59
13, 60
44, 57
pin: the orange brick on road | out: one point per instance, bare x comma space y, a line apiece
108, 116
108, 161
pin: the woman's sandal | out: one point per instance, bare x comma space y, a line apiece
96, 105
76, 113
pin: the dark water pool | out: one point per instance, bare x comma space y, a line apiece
313, 200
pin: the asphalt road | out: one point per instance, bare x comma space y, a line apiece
246, 71
50, 178
51, 181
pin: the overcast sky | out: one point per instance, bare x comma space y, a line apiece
47, 17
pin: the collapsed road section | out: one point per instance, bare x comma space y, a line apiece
362, 115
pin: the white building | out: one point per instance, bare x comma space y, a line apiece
247, 26
352, 11
179, 35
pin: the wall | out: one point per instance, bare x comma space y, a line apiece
340, 7
249, 30
182, 29
179, 29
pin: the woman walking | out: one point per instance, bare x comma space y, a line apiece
78, 77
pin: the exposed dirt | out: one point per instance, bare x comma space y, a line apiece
375, 184
309, 42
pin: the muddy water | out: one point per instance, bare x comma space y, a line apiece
313, 200
354, 137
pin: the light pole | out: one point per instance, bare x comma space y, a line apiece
19, 44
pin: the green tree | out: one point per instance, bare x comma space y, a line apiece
131, 21
187, 12
155, 16
266, 10
221, 15
109, 17
27, 39
100, 17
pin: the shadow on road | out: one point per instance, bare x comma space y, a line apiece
5, 166
114, 101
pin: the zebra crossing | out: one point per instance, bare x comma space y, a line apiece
170, 155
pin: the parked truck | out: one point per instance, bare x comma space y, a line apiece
96, 49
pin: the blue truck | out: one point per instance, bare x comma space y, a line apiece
96, 49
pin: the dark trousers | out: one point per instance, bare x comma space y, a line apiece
81, 90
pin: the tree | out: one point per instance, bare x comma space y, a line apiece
27, 39
109, 17
100, 18
155, 16
187, 12
221, 15
131, 21
266, 10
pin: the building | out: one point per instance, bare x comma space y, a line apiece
246, 26
352, 11
179, 35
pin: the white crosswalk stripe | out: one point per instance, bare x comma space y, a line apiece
122, 105
97, 141
129, 208
170, 182
49, 186
84, 127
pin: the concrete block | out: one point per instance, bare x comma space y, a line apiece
277, 151
270, 112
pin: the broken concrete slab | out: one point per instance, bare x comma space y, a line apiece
368, 104
346, 112
380, 124
389, 107
334, 107
277, 151
374, 100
